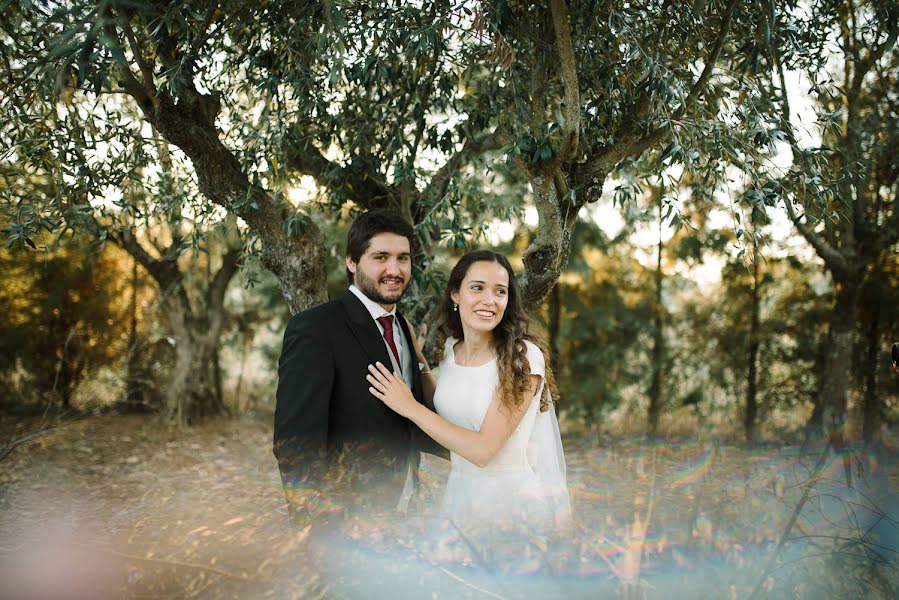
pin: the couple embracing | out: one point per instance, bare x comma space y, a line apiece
357, 401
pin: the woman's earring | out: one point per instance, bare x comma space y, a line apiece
455, 307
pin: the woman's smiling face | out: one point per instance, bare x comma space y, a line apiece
483, 295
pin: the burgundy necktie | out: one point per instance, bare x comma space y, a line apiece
387, 323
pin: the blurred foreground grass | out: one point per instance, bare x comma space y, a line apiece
122, 507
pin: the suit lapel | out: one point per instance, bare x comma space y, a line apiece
366, 332
410, 358
364, 329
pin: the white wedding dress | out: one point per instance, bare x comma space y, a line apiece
524, 485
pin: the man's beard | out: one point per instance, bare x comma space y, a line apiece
369, 287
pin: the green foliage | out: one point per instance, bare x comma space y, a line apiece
794, 304
65, 317
447, 111
390, 90
606, 312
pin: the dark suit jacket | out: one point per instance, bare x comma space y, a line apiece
323, 402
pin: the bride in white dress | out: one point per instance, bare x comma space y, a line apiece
493, 396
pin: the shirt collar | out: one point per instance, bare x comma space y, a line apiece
375, 309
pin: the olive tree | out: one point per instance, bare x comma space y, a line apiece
381, 103
841, 187
398, 104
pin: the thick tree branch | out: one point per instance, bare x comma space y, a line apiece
327, 13
831, 256
215, 293
888, 233
145, 69
202, 36
560, 184
591, 174
359, 180
864, 65
134, 88
834, 259
572, 108
711, 61
298, 260
165, 272
537, 85
472, 148
188, 122
304, 158
548, 251
596, 168
424, 92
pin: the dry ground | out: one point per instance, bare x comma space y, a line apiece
124, 507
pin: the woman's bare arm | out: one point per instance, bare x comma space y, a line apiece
478, 447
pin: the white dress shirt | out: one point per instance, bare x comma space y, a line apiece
377, 311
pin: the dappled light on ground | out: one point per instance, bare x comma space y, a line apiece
122, 507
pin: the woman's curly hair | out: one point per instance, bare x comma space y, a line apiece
509, 336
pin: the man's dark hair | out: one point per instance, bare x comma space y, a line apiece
368, 225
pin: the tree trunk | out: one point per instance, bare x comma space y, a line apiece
296, 254
833, 390
191, 393
749, 424
238, 388
872, 410
133, 377
65, 378
555, 310
658, 342
217, 375
547, 254
194, 390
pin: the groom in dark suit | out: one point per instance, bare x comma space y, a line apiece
326, 422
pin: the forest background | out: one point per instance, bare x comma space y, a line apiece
701, 202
